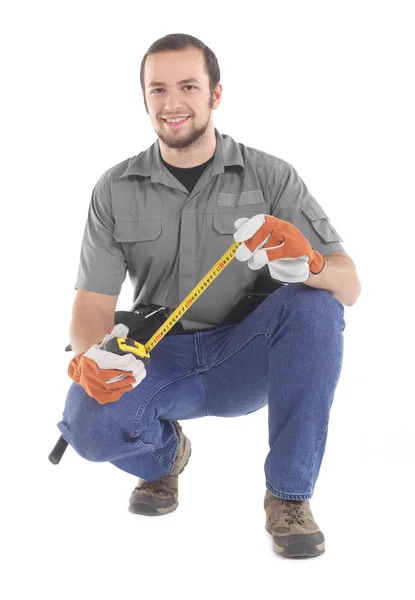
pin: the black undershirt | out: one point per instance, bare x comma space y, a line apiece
187, 177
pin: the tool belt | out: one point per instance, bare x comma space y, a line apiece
144, 319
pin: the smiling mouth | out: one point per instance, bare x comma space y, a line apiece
176, 121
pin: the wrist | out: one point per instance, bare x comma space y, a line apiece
317, 264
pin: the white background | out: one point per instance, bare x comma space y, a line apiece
328, 87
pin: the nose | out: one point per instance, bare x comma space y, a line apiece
173, 100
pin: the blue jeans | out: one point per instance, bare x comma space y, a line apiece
287, 353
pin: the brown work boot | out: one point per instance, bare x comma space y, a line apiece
159, 497
294, 532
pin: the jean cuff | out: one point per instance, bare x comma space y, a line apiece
287, 496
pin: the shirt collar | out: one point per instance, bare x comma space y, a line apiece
149, 164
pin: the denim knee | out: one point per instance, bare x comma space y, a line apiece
310, 303
92, 429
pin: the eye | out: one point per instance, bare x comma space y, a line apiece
161, 89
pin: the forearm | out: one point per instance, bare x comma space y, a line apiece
88, 327
339, 277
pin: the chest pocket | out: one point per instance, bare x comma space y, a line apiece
137, 231
225, 222
231, 207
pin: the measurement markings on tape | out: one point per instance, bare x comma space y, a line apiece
177, 314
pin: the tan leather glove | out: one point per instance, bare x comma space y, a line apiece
278, 244
105, 375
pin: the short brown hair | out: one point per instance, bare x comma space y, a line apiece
180, 41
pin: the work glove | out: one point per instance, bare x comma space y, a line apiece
278, 244
105, 375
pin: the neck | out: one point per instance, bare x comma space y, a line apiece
196, 154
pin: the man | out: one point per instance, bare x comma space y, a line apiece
166, 216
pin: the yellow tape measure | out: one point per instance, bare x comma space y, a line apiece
128, 345
217, 268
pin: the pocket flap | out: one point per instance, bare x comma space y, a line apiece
137, 231
313, 210
240, 199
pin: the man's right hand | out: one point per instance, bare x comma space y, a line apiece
105, 375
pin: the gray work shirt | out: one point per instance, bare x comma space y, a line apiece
142, 219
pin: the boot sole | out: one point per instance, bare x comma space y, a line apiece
152, 506
305, 545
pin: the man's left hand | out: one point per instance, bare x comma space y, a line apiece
278, 244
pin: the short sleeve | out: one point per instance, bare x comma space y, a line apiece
294, 203
102, 265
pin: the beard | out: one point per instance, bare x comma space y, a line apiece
186, 140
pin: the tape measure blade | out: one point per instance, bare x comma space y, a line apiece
197, 291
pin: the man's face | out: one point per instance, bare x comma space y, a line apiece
177, 85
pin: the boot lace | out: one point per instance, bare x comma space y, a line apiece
293, 512
166, 484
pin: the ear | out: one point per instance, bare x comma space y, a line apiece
217, 96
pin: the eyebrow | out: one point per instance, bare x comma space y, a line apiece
190, 80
